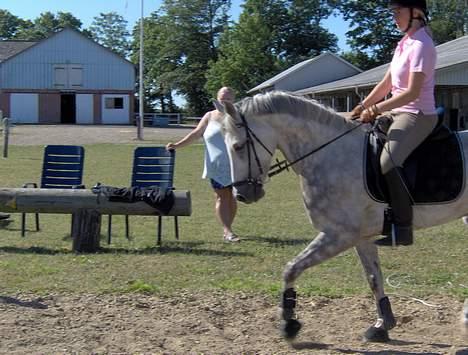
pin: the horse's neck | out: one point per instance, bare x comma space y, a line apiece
299, 136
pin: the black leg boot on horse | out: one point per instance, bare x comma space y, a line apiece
402, 210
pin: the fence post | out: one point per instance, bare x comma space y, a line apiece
6, 133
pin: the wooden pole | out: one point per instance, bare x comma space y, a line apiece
66, 201
86, 231
6, 134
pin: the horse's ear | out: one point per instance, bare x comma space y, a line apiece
230, 109
219, 106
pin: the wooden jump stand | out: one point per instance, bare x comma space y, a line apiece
87, 208
6, 133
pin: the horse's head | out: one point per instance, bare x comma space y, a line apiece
250, 143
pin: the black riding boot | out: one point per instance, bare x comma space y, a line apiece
400, 201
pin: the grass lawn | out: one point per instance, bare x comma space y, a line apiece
273, 232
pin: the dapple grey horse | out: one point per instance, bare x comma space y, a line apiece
332, 184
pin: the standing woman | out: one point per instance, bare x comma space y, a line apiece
410, 79
217, 167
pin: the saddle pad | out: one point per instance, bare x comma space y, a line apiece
434, 172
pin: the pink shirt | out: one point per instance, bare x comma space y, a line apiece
414, 54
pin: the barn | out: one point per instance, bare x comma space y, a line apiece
321, 69
451, 90
66, 78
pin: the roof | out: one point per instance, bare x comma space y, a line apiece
448, 54
298, 66
9, 49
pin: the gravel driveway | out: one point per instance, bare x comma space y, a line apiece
77, 134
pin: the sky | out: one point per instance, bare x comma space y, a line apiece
86, 10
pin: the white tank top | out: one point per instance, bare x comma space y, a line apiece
217, 165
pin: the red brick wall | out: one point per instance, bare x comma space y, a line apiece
5, 103
97, 109
49, 108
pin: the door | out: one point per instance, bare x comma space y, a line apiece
68, 108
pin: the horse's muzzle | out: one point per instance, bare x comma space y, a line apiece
249, 193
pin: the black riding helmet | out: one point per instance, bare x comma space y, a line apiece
412, 4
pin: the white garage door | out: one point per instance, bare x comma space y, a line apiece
115, 109
84, 109
24, 108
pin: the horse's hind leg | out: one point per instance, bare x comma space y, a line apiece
368, 254
323, 247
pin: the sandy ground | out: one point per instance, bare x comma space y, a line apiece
83, 134
219, 324
206, 323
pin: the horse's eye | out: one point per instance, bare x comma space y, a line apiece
238, 146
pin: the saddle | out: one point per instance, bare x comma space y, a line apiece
434, 172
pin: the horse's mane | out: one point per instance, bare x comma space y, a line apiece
280, 102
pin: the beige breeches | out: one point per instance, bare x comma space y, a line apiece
407, 131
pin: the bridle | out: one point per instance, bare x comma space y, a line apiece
250, 136
280, 165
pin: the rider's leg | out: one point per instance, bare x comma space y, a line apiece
407, 131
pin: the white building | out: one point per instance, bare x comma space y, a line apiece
65, 78
324, 68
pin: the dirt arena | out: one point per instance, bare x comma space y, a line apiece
219, 324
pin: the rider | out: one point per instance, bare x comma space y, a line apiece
410, 79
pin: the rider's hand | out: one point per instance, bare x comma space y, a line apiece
369, 114
356, 112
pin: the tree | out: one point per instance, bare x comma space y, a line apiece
373, 35
301, 33
46, 24
248, 51
10, 25
110, 30
159, 83
449, 19
188, 41
270, 36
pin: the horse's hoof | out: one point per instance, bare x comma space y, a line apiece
376, 335
290, 328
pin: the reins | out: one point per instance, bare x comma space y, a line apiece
279, 167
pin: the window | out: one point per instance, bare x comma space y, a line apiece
75, 75
114, 103
60, 76
68, 76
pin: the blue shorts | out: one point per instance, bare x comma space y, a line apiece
216, 185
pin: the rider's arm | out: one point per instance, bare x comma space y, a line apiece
197, 133
381, 90
416, 81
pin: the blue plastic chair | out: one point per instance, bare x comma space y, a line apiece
62, 168
152, 166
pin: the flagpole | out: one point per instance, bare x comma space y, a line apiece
141, 110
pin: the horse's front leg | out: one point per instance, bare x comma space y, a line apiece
369, 256
325, 246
